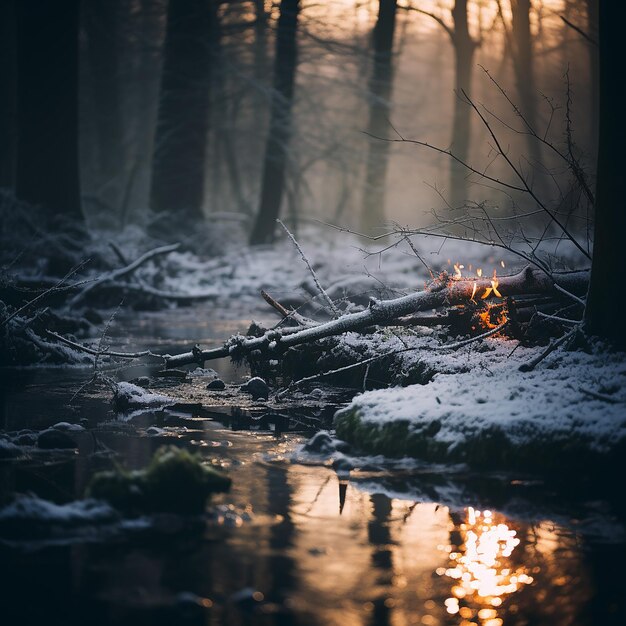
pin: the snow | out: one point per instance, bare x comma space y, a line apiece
129, 396
479, 388
31, 508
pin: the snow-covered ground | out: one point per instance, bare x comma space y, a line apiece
480, 408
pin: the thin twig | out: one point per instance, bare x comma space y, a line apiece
465, 342
42, 295
105, 352
530, 366
331, 304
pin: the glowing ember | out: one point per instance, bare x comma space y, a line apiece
492, 317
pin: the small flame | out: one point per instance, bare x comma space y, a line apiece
502, 263
473, 291
479, 272
494, 285
457, 271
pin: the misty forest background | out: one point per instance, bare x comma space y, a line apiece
131, 111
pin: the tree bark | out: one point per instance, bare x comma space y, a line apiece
8, 77
47, 169
380, 87
178, 165
594, 67
275, 162
602, 318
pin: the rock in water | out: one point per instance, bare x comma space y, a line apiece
216, 385
53, 439
321, 442
257, 388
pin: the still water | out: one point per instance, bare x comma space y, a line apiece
295, 542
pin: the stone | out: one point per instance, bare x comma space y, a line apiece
53, 439
257, 388
321, 442
216, 385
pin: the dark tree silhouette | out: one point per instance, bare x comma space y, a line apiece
603, 316
594, 65
464, 48
380, 86
101, 20
522, 53
47, 166
8, 99
275, 162
178, 165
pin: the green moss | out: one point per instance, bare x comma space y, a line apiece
489, 448
175, 481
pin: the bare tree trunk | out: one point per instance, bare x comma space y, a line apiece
594, 74
464, 48
101, 19
47, 152
380, 87
610, 219
524, 72
8, 77
275, 162
178, 165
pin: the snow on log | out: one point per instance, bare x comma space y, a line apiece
441, 292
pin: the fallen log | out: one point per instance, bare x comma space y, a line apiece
444, 291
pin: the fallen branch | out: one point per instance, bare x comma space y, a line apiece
123, 271
442, 292
101, 352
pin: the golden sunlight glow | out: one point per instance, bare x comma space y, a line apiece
481, 568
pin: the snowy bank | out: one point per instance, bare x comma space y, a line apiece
569, 413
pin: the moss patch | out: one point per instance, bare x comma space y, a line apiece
175, 481
487, 448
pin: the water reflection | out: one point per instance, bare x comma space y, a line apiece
310, 550
482, 569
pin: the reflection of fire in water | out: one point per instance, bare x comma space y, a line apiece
481, 570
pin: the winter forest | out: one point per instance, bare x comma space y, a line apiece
306, 312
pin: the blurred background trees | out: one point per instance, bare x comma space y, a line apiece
245, 110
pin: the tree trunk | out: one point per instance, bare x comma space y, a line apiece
47, 170
380, 87
8, 100
594, 75
275, 162
602, 312
524, 73
464, 48
101, 19
178, 165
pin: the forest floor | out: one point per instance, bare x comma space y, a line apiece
444, 402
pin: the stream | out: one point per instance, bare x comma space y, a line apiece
296, 540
